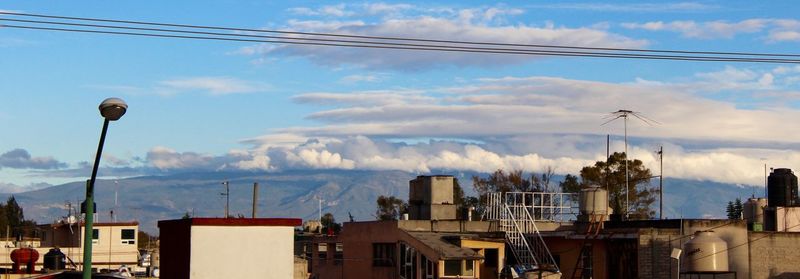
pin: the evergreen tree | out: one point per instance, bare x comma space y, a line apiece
738, 208
730, 210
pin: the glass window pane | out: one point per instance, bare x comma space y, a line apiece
128, 234
468, 267
452, 267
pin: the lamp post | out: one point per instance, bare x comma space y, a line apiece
111, 109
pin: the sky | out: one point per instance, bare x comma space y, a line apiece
199, 105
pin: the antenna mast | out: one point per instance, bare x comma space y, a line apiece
624, 114
227, 195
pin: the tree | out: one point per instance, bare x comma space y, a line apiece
570, 184
734, 209
329, 224
541, 182
730, 210
737, 206
501, 181
390, 208
611, 175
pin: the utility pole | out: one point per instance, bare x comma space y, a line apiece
255, 199
320, 209
227, 195
661, 183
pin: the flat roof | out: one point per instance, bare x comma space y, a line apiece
236, 222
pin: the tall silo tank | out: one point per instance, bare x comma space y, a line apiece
706, 252
754, 210
593, 201
782, 188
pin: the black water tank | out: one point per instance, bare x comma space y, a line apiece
55, 260
782, 188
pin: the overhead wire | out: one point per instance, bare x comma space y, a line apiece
392, 38
205, 35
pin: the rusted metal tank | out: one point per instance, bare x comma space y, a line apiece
26, 256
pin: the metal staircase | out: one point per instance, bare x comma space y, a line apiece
512, 210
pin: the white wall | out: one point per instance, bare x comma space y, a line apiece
242, 252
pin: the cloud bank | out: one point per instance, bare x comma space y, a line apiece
530, 123
489, 24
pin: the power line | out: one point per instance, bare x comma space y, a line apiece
204, 35
395, 38
356, 43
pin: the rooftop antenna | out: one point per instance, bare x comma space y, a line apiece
624, 115
320, 208
227, 195
116, 189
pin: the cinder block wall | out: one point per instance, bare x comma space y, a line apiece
655, 246
774, 255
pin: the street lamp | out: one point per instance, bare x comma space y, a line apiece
111, 109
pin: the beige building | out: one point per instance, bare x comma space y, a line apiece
113, 244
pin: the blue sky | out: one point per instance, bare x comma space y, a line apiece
212, 105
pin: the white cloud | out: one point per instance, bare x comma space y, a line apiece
212, 85
630, 7
164, 158
482, 25
778, 30
338, 10
351, 79
384, 8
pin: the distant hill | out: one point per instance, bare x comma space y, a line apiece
292, 194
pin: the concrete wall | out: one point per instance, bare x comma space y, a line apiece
431, 198
787, 219
242, 252
774, 255
734, 232
228, 248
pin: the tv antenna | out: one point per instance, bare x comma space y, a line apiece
624, 115
227, 195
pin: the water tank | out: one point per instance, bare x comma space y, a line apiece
782, 188
55, 260
594, 201
706, 253
24, 256
754, 210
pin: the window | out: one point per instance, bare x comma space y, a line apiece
322, 251
383, 254
339, 255
452, 268
95, 235
408, 261
128, 236
459, 268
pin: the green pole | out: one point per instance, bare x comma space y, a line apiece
88, 232
88, 228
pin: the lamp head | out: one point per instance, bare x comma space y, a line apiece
113, 108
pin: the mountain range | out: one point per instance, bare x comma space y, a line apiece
296, 194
